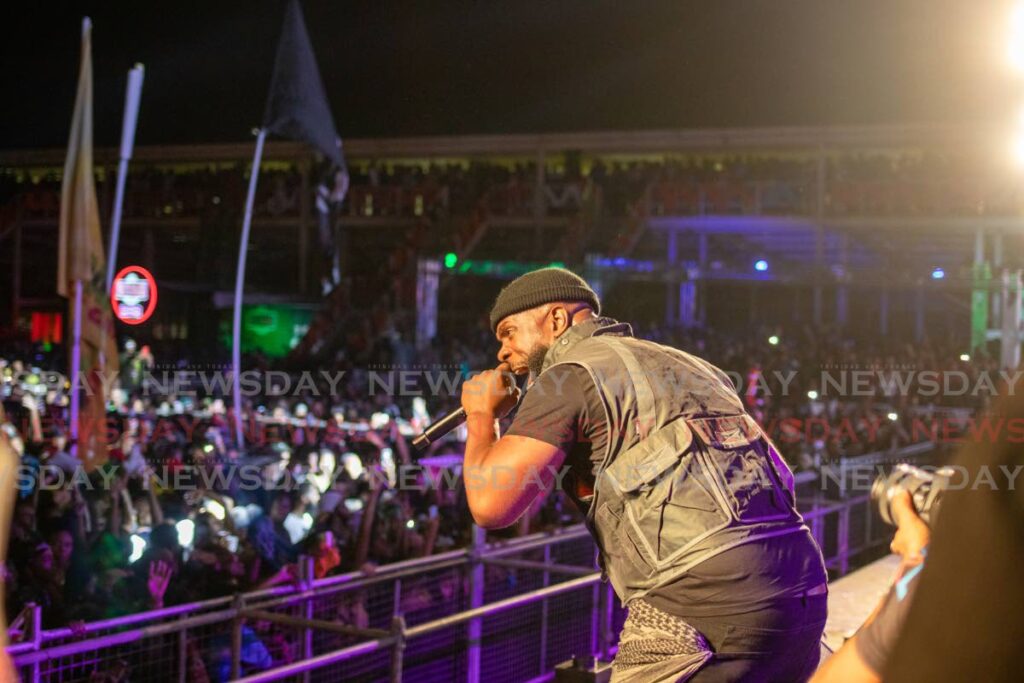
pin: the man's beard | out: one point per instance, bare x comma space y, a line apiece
535, 359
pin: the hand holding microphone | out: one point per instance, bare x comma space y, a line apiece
493, 392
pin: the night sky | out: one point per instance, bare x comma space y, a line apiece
444, 67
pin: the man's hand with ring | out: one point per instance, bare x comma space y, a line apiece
492, 392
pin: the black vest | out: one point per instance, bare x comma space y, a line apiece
686, 473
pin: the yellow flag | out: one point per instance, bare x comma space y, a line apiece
80, 255
81, 244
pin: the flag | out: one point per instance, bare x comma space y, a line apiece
297, 107
80, 258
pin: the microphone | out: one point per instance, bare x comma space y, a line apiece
439, 429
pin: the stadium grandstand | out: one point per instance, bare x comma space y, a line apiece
896, 216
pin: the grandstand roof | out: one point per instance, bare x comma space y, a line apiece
711, 140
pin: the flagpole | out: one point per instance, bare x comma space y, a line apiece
236, 331
76, 365
133, 92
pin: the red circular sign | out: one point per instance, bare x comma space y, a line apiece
133, 295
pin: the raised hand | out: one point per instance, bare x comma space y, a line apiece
30, 403
159, 577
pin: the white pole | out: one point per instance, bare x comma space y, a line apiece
132, 95
236, 333
76, 365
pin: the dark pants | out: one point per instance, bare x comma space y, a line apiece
780, 643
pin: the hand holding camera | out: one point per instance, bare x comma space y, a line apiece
912, 534
909, 498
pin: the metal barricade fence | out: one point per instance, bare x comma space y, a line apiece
507, 611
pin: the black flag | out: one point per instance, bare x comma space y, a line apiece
296, 105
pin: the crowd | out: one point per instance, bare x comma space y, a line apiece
179, 513
823, 396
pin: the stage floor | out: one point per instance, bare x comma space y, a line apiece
852, 598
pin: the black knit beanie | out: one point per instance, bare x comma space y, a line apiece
540, 287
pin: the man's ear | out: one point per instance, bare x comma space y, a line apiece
561, 319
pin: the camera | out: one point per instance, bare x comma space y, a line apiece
925, 489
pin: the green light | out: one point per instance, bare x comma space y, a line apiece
502, 269
450, 259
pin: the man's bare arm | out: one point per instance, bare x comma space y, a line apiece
504, 476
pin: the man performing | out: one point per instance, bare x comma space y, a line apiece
690, 505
